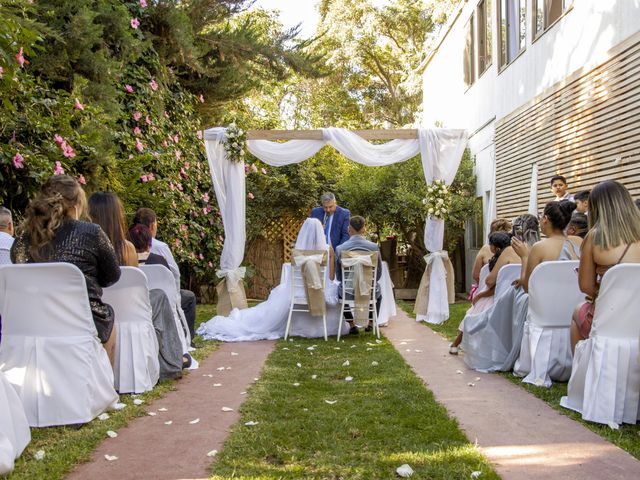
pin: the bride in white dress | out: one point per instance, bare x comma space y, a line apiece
267, 320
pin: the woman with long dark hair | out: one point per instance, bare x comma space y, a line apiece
105, 209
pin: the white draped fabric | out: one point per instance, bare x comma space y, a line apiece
440, 150
533, 190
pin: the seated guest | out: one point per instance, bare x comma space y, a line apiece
52, 232
484, 254
105, 209
613, 238
357, 242
557, 246
578, 226
146, 216
582, 202
141, 237
503, 254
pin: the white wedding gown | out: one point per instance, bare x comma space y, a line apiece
268, 320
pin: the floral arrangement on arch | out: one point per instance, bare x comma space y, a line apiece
438, 200
234, 143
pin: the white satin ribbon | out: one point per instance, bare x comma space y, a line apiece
233, 276
358, 272
442, 254
310, 266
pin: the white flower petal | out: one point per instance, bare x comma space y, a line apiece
118, 406
346, 363
193, 422
217, 384
407, 350
227, 409
404, 471
137, 401
613, 425
336, 348
39, 455
378, 341
348, 379
285, 348
311, 348
419, 351
459, 372
212, 453
313, 377
296, 384
353, 346
163, 409
476, 474
152, 414
374, 363
111, 434
110, 458
168, 422
233, 354
243, 393
255, 379
228, 368
103, 416
299, 365
220, 369
331, 402
369, 349
251, 423
471, 384
477, 379
403, 343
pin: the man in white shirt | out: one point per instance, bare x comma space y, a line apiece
6, 235
559, 188
147, 217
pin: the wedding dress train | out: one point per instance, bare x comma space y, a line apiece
267, 320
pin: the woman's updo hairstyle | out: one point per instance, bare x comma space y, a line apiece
47, 210
528, 227
559, 213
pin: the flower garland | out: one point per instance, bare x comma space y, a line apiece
234, 143
438, 200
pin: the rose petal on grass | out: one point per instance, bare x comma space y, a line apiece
353, 346
193, 422
336, 348
331, 402
476, 474
346, 363
374, 363
404, 471
378, 341
103, 416
348, 379
296, 384
39, 455
369, 349
251, 423
313, 377
311, 348
299, 365
285, 348
212, 453
227, 409
111, 434
613, 425
118, 406
110, 458
137, 401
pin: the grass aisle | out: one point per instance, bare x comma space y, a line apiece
627, 437
65, 447
313, 423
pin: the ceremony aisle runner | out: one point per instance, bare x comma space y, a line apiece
174, 442
523, 437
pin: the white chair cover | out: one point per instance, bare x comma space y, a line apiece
136, 366
605, 382
545, 351
50, 350
488, 335
352, 271
14, 429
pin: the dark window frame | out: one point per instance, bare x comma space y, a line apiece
469, 57
484, 34
505, 56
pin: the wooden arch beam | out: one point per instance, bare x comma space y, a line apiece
391, 134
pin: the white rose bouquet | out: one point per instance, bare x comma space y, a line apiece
437, 203
234, 143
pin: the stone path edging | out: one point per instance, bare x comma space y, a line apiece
149, 449
522, 436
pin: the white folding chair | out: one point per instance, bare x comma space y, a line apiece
5, 256
136, 366
545, 351
347, 287
605, 382
14, 428
299, 300
50, 351
160, 277
506, 276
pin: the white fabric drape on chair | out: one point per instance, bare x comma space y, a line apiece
440, 150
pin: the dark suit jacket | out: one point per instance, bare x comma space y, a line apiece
340, 226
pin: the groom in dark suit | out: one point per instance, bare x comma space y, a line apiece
334, 219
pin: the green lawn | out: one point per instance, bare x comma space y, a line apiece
627, 437
66, 447
383, 418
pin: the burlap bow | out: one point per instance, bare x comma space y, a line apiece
423, 300
311, 263
362, 264
230, 290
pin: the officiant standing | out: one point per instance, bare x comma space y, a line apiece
334, 219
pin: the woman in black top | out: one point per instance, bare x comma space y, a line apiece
52, 232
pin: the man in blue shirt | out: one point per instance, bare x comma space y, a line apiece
334, 219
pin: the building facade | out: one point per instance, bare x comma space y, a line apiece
544, 87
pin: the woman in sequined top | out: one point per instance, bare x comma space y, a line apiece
52, 232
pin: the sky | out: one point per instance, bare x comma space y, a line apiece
293, 12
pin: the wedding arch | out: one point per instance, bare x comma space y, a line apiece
440, 150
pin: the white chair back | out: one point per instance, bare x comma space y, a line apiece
506, 276
160, 277
618, 303
554, 294
5, 256
484, 273
130, 294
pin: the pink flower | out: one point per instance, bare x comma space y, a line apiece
166, 115
178, 154
201, 98
221, 238
184, 228
200, 256
137, 115
178, 243
254, 168
172, 187
139, 146
20, 57
211, 221
199, 134
58, 170
143, 3
137, 131
1, 72
147, 120
264, 172
250, 195
67, 150
176, 139
153, 84
151, 177
179, 186
183, 173
58, 139
128, 88
205, 197
18, 160
82, 180
165, 144
202, 235
135, 23
77, 105
187, 165
205, 211
144, 178
210, 264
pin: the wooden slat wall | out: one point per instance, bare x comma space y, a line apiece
587, 129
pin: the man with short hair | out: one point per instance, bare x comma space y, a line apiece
146, 216
6, 235
357, 242
559, 188
334, 219
582, 202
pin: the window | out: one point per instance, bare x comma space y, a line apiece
469, 55
475, 227
546, 12
511, 29
483, 14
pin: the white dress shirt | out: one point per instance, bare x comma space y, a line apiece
6, 241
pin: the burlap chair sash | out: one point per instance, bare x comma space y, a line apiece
230, 291
363, 265
311, 263
421, 306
